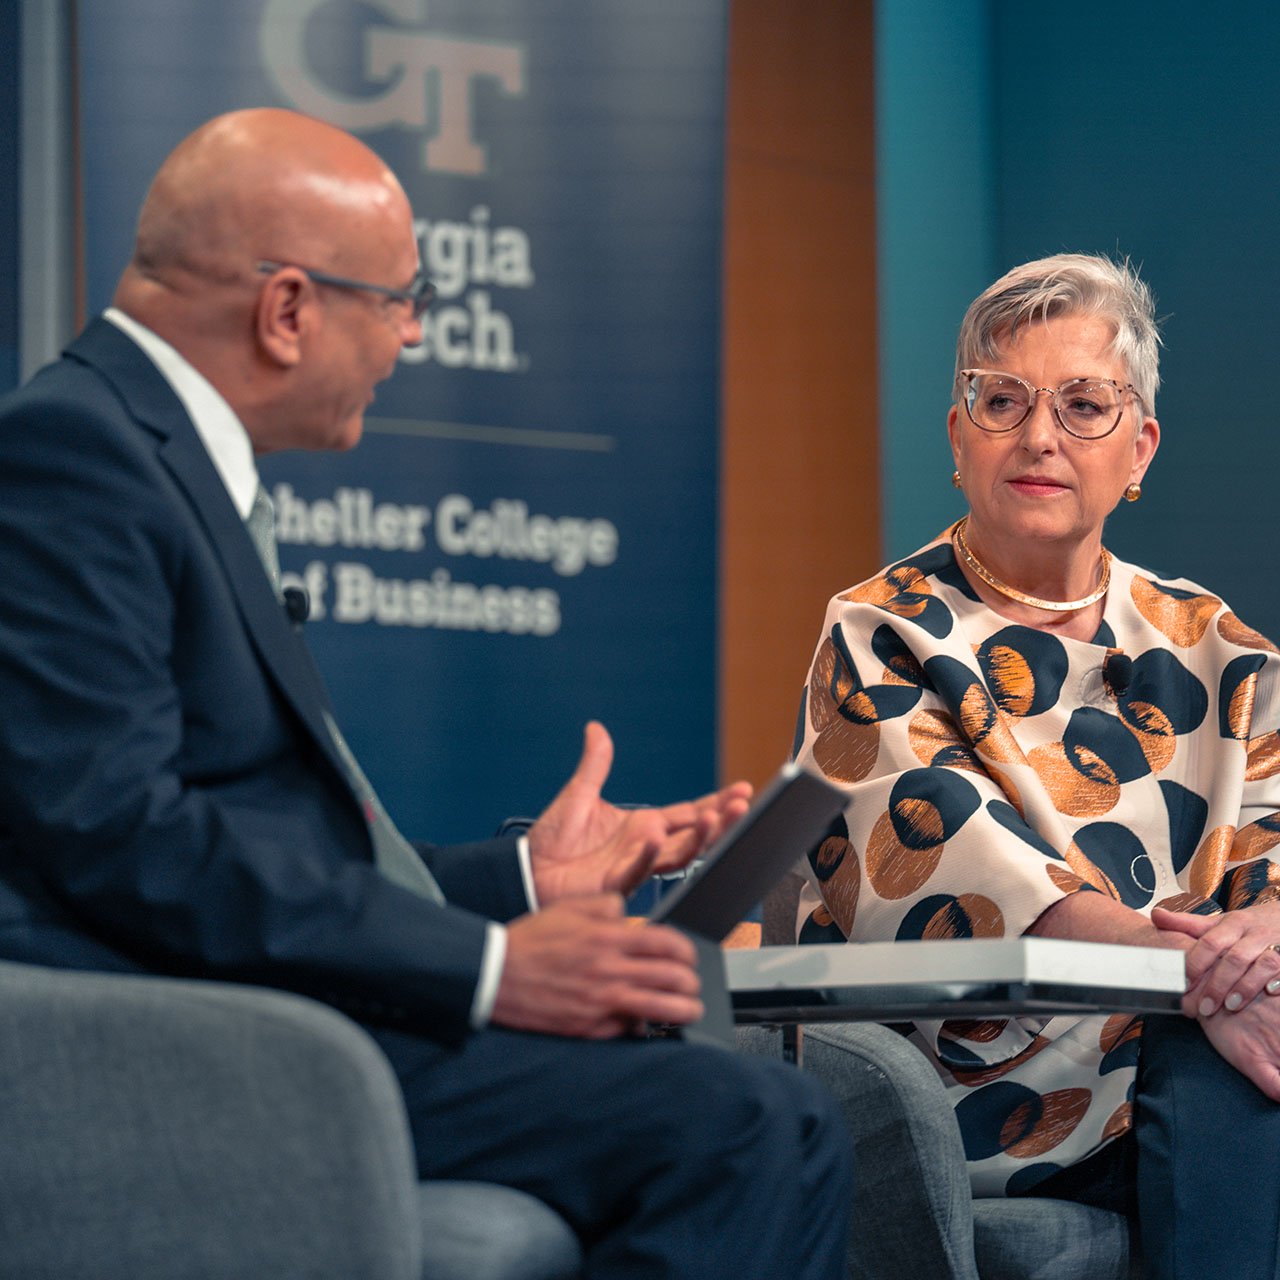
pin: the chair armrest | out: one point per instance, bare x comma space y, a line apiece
479, 1231
913, 1199
152, 1127
1041, 1239
912, 1209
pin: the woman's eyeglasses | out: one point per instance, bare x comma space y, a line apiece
1088, 408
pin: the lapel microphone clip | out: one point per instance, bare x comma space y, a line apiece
297, 604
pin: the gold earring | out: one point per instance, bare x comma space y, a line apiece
1133, 493
955, 480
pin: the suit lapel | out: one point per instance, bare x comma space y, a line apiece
153, 403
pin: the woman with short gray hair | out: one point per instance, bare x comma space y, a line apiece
1038, 738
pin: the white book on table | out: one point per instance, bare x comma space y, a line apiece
1048, 961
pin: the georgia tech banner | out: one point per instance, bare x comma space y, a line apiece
526, 538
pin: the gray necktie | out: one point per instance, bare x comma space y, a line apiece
261, 522
392, 853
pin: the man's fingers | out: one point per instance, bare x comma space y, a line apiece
682, 843
711, 823
681, 846
629, 876
579, 969
652, 1008
661, 940
598, 906
596, 759
654, 989
639, 978
662, 1006
678, 851
717, 808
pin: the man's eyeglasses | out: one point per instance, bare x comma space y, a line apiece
419, 293
1088, 408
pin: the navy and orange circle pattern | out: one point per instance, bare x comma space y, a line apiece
992, 768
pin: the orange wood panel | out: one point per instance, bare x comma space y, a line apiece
800, 462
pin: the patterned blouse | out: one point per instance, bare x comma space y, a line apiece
992, 769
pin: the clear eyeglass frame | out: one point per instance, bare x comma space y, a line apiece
1063, 414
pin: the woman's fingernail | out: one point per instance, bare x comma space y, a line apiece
1206, 1007
1273, 986
1234, 1001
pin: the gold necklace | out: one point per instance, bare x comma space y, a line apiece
1052, 606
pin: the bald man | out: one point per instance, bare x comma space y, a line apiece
175, 797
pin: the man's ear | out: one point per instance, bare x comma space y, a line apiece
283, 315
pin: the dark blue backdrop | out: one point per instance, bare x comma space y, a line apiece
570, 388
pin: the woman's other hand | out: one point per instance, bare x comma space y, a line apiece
1250, 1041
1236, 956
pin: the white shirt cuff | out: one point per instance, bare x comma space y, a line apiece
495, 954
495, 947
526, 871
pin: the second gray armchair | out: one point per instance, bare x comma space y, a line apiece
157, 1128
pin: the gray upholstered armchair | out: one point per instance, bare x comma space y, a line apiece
189, 1129
913, 1215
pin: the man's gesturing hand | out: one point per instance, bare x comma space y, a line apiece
584, 845
579, 969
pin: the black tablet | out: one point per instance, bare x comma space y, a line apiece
789, 816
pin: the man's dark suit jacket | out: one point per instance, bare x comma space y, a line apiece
170, 800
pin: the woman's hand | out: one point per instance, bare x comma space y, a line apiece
1250, 1041
1236, 956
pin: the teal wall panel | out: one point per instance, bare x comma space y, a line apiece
1010, 130
936, 224
1159, 138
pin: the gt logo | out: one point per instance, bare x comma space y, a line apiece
428, 78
